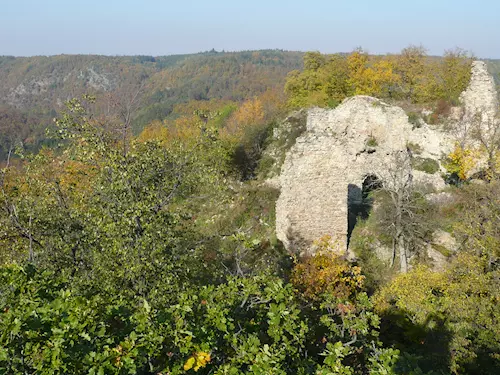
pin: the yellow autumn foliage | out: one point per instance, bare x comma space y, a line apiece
383, 78
462, 160
154, 131
197, 361
375, 79
192, 106
411, 75
248, 114
414, 291
359, 74
326, 272
185, 129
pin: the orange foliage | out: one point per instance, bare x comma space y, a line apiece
249, 113
273, 102
254, 113
233, 126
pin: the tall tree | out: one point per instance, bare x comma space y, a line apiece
410, 65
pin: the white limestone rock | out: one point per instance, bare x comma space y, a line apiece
340, 148
361, 138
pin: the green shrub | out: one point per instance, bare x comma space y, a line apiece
414, 119
265, 165
255, 325
371, 141
426, 165
364, 241
415, 148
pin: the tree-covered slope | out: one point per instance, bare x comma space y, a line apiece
29, 82
35, 88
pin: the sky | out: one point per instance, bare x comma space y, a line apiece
165, 27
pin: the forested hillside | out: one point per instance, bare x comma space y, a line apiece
142, 238
33, 90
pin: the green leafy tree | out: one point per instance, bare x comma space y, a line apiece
455, 73
323, 81
410, 65
253, 325
115, 221
403, 214
450, 318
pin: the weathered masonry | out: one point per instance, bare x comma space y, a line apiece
344, 151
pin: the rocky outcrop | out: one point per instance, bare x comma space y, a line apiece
42, 87
331, 161
282, 139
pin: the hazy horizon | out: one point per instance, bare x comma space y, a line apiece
163, 28
222, 51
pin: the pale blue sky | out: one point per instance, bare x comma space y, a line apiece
164, 27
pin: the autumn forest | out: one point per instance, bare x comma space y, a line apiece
137, 221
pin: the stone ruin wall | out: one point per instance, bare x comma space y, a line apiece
480, 97
334, 153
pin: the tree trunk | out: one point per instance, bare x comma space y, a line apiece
403, 259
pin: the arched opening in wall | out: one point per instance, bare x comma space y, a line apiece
360, 202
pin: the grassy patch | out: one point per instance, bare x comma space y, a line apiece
371, 141
426, 165
242, 229
415, 148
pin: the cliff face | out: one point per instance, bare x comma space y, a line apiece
348, 148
